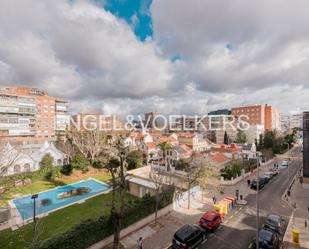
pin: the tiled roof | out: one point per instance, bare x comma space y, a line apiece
218, 157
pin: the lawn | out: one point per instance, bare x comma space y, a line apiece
57, 222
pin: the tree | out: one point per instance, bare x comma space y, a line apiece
164, 147
135, 159
79, 161
115, 158
47, 162
157, 180
196, 171
90, 143
226, 138
241, 137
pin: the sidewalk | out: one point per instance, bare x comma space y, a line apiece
300, 196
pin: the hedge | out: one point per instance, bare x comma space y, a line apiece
92, 231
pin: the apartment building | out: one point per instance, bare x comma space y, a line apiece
265, 115
31, 114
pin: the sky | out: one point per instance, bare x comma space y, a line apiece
171, 56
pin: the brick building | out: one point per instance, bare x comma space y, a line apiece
29, 114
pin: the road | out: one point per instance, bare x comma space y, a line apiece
240, 230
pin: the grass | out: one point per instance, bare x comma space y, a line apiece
58, 222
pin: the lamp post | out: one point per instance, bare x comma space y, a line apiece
257, 201
34, 197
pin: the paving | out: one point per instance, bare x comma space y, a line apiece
300, 217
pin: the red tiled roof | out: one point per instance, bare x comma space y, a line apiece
151, 145
218, 157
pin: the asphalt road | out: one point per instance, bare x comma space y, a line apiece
239, 231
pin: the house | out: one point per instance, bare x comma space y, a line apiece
230, 150
22, 159
220, 160
197, 142
178, 152
249, 151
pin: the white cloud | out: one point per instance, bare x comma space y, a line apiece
230, 53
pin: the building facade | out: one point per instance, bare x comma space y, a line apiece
265, 115
306, 145
27, 113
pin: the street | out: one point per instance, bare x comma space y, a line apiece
238, 232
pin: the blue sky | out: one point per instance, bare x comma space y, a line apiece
135, 12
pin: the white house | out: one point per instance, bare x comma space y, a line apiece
14, 160
249, 151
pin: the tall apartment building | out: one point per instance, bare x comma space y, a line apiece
265, 115
27, 113
306, 147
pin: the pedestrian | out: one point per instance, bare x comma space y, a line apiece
139, 243
214, 199
248, 182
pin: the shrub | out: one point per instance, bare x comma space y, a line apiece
48, 175
66, 169
79, 161
97, 164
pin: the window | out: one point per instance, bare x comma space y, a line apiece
27, 167
16, 168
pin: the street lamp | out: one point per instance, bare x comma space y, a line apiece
34, 197
257, 201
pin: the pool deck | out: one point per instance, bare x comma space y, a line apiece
16, 221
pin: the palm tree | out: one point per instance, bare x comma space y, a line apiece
164, 146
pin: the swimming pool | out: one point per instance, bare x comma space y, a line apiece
59, 197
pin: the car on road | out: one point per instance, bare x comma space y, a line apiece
269, 174
210, 221
274, 171
267, 240
261, 182
188, 237
265, 178
275, 223
285, 163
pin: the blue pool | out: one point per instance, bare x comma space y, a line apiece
60, 197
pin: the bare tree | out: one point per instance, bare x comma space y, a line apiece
90, 143
157, 180
115, 155
198, 172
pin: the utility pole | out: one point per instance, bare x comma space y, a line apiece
34, 197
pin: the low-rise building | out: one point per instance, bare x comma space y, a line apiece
27, 158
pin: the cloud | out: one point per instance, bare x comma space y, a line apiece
78, 50
235, 46
203, 55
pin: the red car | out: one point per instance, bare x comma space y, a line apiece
210, 221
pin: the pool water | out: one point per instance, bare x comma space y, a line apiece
24, 204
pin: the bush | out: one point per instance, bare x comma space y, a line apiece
91, 231
48, 175
79, 161
66, 169
97, 164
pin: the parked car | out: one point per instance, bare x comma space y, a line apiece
210, 221
265, 179
275, 223
274, 171
254, 183
187, 237
269, 174
285, 163
267, 240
